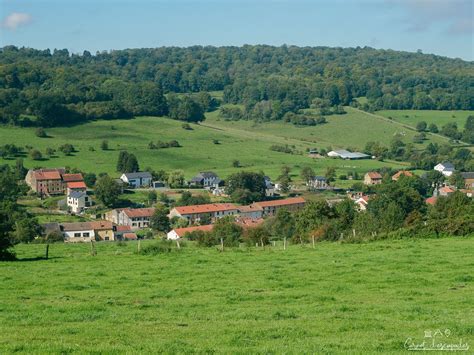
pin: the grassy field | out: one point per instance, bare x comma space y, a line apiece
337, 298
243, 141
440, 118
353, 130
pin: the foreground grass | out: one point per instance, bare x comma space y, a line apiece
361, 298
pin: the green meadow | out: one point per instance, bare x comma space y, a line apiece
336, 298
244, 141
440, 118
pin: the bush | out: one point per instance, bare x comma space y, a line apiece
186, 126
40, 132
104, 145
36, 154
160, 247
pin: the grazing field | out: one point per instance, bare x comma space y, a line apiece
337, 298
353, 130
243, 141
439, 118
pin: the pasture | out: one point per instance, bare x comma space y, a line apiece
336, 298
244, 141
439, 118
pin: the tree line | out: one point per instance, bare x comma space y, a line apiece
50, 88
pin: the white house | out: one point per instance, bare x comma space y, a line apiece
78, 232
136, 218
135, 180
362, 202
77, 201
269, 187
317, 182
445, 168
179, 233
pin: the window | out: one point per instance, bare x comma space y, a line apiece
86, 235
106, 238
77, 235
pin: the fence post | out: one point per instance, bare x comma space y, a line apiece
313, 240
284, 243
138, 247
47, 251
177, 244
222, 244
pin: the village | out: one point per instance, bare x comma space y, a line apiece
132, 223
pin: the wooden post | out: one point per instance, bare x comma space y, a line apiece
222, 244
93, 252
274, 243
47, 251
256, 245
138, 247
313, 240
354, 232
284, 243
177, 244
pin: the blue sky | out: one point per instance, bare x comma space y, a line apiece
443, 27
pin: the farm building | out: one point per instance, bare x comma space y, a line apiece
136, 180
372, 178
196, 212
345, 154
251, 211
77, 232
269, 208
136, 218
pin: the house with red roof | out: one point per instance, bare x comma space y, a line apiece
269, 208
194, 213
46, 181
372, 178
179, 233
397, 175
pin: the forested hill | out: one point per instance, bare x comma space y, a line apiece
49, 88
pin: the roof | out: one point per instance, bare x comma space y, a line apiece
143, 175
207, 174
131, 236
76, 194
319, 178
374, 175
247, 222
468, 175
50, 227
364, 199
181, 232
345, 154
123, 228
139, 212
250, 208
72, 177
76, 226
446, 189
277, 203
47, 174
101, 225
207, 208
397, 175
76, 185
431, 200
447, 165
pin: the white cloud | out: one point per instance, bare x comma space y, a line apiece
15, 20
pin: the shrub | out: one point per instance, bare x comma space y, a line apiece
40, 132
36, 154
160, 247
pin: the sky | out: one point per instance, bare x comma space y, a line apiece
443, 27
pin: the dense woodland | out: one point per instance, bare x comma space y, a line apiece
47, 88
